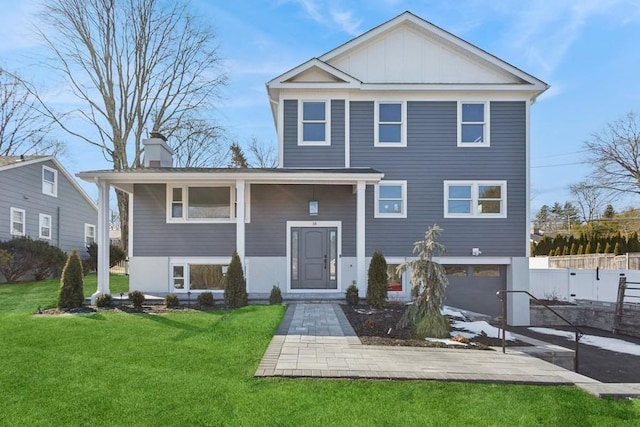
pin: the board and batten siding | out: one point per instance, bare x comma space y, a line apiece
325, 156
21, 187
273, 205
153, 236
431, 157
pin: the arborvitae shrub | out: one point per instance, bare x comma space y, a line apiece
565, 250
377, 281
557, 252
205, 299
616, 249
72, 283
352, 296
607, 248
574, 249
580, 250
171, 301
587, 249
235, 286
599, 248
104, 300
276, 295
136, 298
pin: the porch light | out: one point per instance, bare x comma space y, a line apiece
313, 208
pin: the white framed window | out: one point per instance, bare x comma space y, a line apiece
18, 222
473, 124
480, 199
44, 229
391, 199
89, 234
313, 122
194, 275
200, 203
390, 129
49, 181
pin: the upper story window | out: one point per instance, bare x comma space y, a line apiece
391, 199
485, 199
49, 181
390, 128
18, 220
44, 230
89, 234
473, 124
313, 128
199, 204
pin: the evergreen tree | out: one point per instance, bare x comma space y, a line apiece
557, 252
609, 212
71, 283
565, 250
616, 249
238, 158
607, 248
377, 281
599, 248
574, 249
235, 286
580, 250
587, 249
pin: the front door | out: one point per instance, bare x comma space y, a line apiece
314, 263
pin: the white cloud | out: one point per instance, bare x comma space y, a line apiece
331, 15
347, 22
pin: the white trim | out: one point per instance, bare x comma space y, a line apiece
45, 183
326, 121
361, 231
481, 260
240, 213
12, 221
185, 203
281, 81
402, 123
486, 130
526, 230
186, 262
130, 230
247, 203
474, 199
88, 226
347, 132
41, 218
403, 185
280, 132
312, 224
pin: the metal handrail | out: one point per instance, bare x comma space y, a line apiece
579, 333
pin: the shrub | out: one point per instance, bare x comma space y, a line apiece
116, 255
235, 286
205, 299
26, 255
136, 298
72, 283
352, 295
5, 258
104, 300
171, 300
276, 295
377, 283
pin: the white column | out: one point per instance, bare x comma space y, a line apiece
102, 240
360, 237
240, 213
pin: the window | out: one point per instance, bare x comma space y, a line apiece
394, 283
391, 199
201, 276
456, 270
18, 219
89, 234
486, 270
314, 123
389, 131
473, 124
475, 199
49, 181
199, 204
45, 227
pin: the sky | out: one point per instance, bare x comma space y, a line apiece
587, 50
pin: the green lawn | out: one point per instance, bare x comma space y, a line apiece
193, 368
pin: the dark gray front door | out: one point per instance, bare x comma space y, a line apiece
313, 258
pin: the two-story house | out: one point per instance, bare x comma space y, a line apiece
41, 200
401, 128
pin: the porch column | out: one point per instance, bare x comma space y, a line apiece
360, 236
240, 208
102, 240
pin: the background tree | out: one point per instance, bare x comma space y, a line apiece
590, 200
428, 284
135, 66
262, 155
198, 143
238, 158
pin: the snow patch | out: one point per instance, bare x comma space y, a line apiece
448, 311
446, 341
472, 329
610, 344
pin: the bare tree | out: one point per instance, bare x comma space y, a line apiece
135, 66
199, 143
615, 153
23, 129
262, 155
590, 198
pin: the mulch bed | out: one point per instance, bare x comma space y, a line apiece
379, 327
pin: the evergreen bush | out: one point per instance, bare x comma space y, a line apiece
580, 250
171, 301
27, 256
352, 296
235, 286
72, 283
104, 300
205, 299
116, 255
276, 295
616, 249
136, 298
377, 281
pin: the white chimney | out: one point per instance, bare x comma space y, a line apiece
157, 153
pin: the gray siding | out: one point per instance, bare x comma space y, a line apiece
152, 236
273, 205
21, 188
330, 156
430, 158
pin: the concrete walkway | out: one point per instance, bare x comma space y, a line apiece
316, 340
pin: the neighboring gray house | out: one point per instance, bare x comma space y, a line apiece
401, 128
39, 199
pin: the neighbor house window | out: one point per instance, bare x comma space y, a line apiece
391, 199
45, 227
473, 124
199, 204
475, 199
313, 126
89, 234
18, 219
390, 129
198, 276
49, 181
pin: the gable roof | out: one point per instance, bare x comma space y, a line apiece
11, 162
